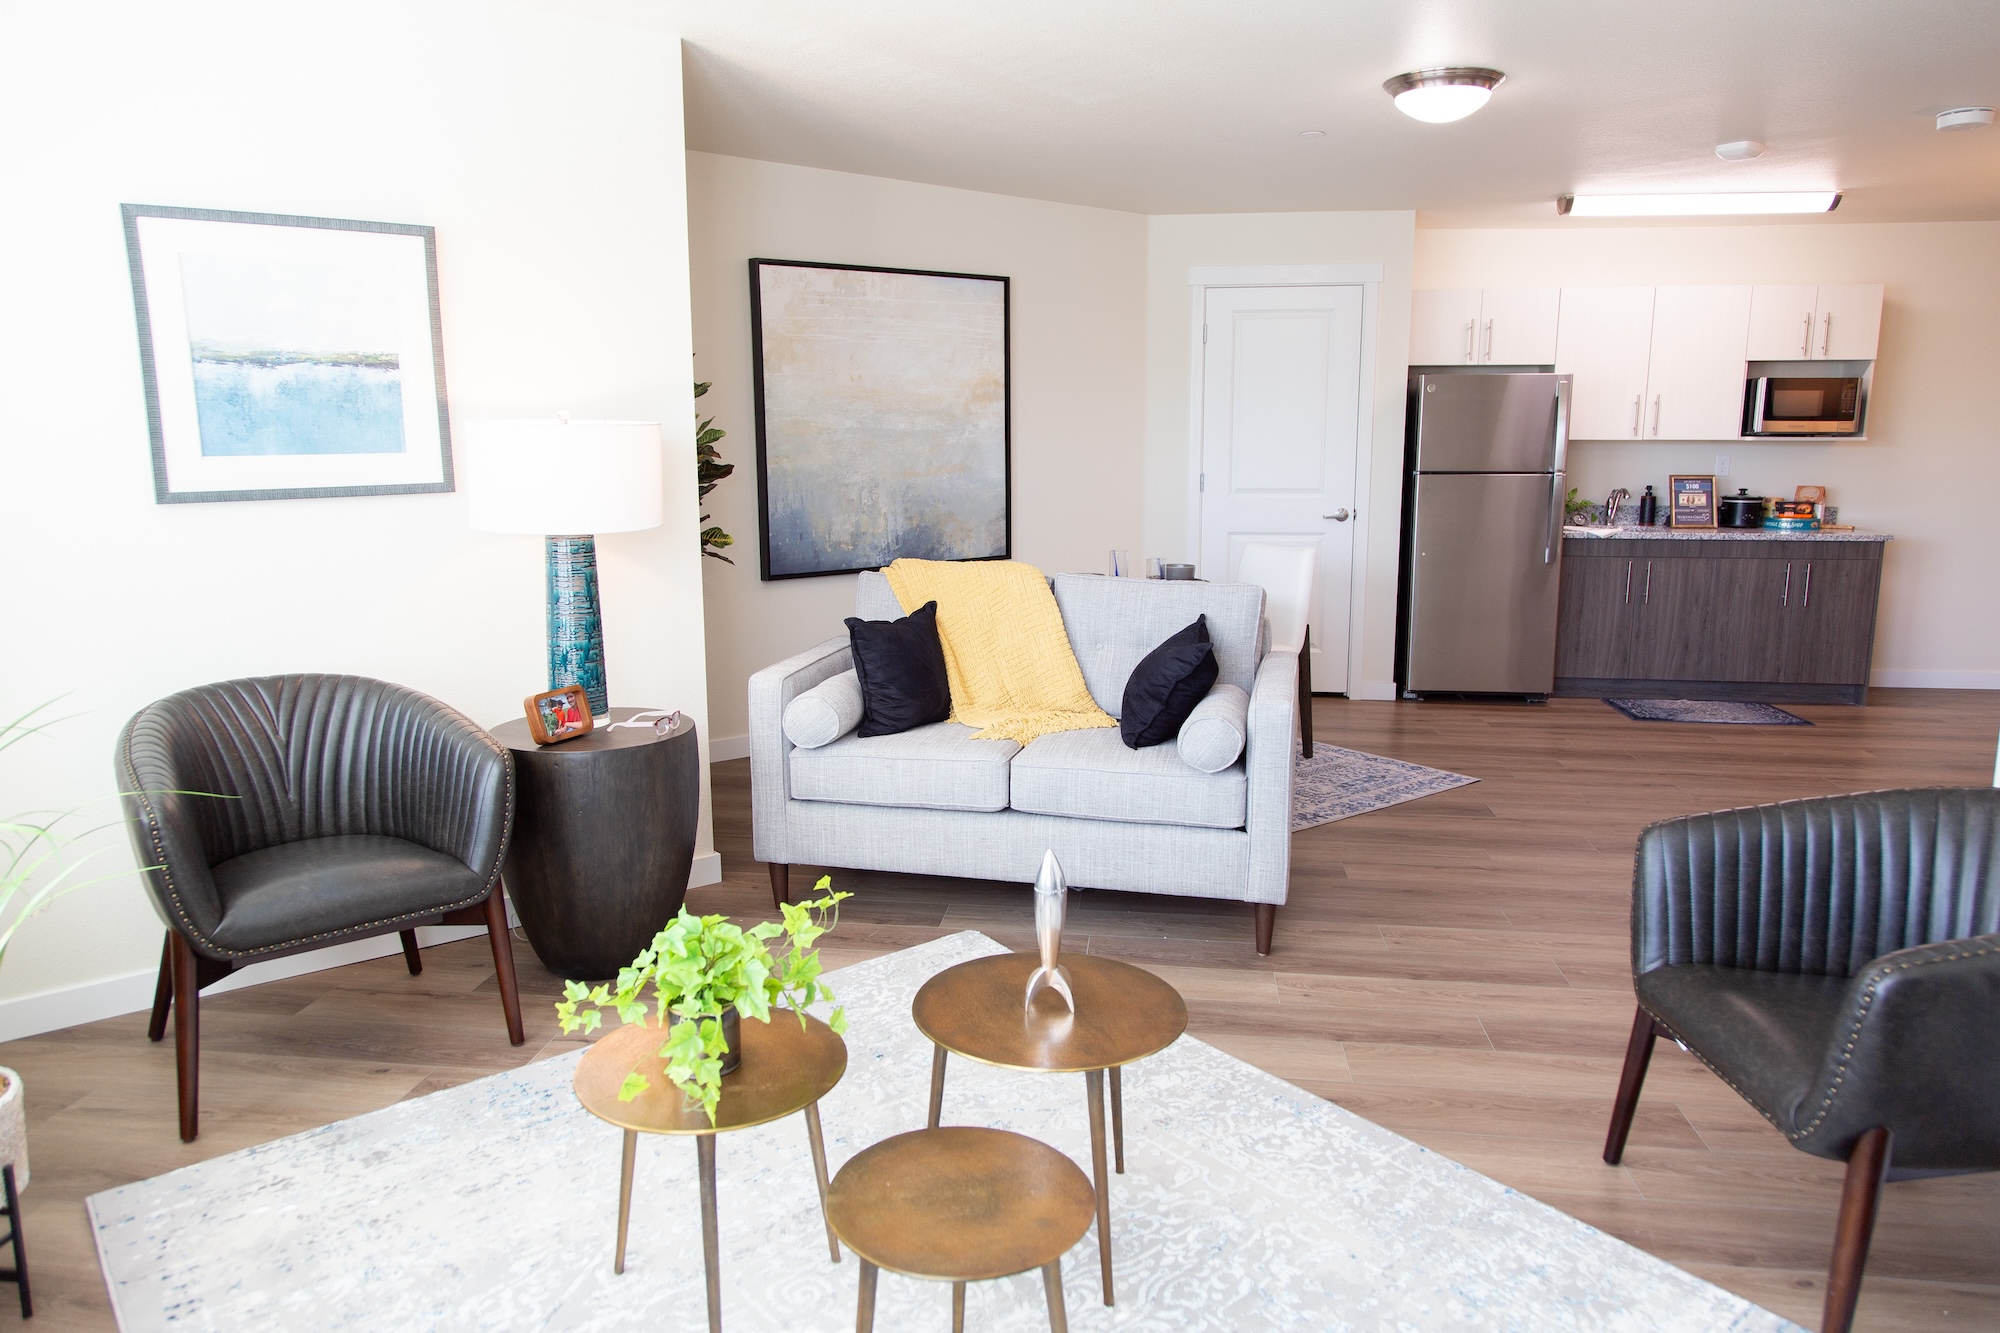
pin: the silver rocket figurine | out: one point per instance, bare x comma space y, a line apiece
1051, 899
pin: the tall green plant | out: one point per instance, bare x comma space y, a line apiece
708, 470
700, 965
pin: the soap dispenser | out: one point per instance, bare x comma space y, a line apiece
1649, 509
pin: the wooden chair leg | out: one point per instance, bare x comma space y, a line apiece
411, 955
1638, 1054
1267, 918
503, 962
163, 993
187, 1033
781, 884
1306, 694
1858, 1201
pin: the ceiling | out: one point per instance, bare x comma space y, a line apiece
1195, 106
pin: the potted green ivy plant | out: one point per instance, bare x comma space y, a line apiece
707, 974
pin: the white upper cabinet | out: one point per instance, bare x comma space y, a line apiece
1808, 323
1499, 326
1444, 327
1694, 383
1604, 339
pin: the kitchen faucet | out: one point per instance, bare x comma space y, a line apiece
1612, 504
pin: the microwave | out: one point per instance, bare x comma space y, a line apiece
1802, 405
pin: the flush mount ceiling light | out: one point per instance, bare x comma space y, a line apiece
1965, 118
1695, 205
1439, 96
1739, 150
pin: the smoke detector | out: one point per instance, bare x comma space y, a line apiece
1965, 118
1739, 150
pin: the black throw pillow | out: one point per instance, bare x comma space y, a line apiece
1166, 685
900, 664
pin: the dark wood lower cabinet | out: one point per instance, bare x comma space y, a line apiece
1780, 621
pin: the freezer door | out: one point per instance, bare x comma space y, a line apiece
1490, 423
1487, 567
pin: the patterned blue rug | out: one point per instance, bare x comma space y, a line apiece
1706, 710
1339, 784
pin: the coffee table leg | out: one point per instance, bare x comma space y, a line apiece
1093, 1082
711, 1239
625, 1197
1052, 1285
864, 1310
937, 1086
958, 1307
819, 1175
1118, 1117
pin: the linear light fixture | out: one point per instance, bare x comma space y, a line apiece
1696, 205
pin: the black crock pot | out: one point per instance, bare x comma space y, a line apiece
1741, 510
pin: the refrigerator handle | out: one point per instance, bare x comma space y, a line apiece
1556, 496
1562, 425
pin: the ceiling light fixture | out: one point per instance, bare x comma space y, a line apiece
1695, 205
1965, 118
1439, 96
1739, 150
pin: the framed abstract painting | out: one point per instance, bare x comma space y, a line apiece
882, 416
288, 357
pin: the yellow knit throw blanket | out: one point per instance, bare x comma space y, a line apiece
1013, 674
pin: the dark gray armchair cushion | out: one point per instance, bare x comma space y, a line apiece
299, 891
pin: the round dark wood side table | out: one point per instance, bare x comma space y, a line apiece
603, 840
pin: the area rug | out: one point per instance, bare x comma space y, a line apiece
1247, 1204
1340, 784
1706, 710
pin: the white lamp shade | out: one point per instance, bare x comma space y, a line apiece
563, 478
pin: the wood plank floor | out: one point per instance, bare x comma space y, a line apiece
1455, 969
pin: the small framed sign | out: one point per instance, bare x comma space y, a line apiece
1810, 494
558, 715
1693, 502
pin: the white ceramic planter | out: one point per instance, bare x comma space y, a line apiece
14, 1128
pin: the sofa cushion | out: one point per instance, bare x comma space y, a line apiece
900, 664
1112, 623
826, 712
938, 767
1092, 775
1166, 685
1213, 736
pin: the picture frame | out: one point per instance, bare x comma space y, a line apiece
288, 357
560, 715
883, 416
1810, 494
1691, 501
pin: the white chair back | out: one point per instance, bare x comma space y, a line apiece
1285, 573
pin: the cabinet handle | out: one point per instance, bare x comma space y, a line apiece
1656, 414
1489, 340
1471, 323
1636, 408
1648, 600
1826, 341
1628, 583
1806, 599
1805, 343
1785, 597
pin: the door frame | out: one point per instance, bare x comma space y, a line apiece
1368, 277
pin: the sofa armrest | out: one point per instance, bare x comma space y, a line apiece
770, 752
1267, 759
1817, 887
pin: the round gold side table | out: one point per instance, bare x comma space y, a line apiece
1123, 1013
785, 1069
960, 1205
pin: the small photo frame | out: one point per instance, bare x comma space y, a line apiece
558, 715
1692, 502
1812, 495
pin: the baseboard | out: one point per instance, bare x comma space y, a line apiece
1375, 689
707, 869
728, 747
1898, 678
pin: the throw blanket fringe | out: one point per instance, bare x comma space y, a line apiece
1013, 673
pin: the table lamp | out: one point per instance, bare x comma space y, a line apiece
567, 481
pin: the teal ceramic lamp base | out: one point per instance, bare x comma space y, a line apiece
576, 628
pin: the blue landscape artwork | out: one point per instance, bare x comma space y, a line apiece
292, 357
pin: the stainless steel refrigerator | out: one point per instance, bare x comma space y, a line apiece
1482, 533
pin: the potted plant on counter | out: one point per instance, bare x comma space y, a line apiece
707, 975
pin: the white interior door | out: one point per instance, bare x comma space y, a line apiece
1280, 434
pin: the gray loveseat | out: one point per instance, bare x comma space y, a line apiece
934, 801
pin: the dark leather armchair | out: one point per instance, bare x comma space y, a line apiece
290, 813
1837, 962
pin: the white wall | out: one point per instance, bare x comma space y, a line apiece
1178, 243
1930, 468
1077, 293
546, 151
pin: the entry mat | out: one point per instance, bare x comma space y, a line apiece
1246, 1204
1706, 710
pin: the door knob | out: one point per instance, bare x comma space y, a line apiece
1338, 516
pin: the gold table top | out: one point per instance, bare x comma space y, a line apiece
784, 1070
1123, 1013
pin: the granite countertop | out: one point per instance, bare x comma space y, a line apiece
1634, 531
